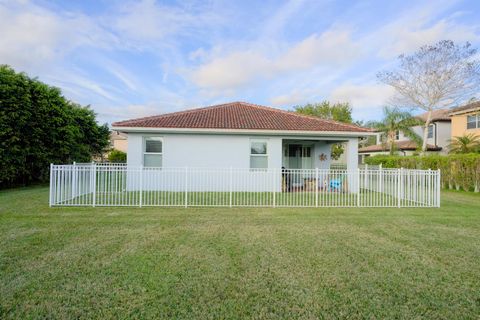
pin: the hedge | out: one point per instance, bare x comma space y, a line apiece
459, 171
117, 156
39, 126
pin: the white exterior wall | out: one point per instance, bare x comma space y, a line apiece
208, 151
205, 151
443, 134
225, 151
322, 147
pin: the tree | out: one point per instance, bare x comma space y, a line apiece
117, 156
469, 143
395, 120
341, 112
38, 126
436, 76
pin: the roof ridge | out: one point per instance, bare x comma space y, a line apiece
302, 115
236, 106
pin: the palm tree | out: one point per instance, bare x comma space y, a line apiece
468, 143
396, 120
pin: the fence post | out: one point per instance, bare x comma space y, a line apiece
186, 187
316, 187
141, 187
74, 180
357, 188
380, 178
366, 176
274, 191
231, 186
94, 183
438, 188
429, 188
399, 192
50, 196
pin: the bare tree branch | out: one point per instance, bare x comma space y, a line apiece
437, 76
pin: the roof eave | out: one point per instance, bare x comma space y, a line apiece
459, 112
244, 131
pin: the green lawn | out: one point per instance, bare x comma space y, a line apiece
238, 263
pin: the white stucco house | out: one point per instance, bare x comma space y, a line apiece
437, 139
238, 135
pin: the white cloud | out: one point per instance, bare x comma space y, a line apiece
233, 70
331, 49
294, 98
362, 95
406, 35
149, 24
33, 38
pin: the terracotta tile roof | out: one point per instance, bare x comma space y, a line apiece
240, 115
401, 145
474, 106
437, 115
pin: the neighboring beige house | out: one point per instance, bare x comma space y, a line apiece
118, 141
437, 141
465, 120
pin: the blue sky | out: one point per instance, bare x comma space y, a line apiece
135, 58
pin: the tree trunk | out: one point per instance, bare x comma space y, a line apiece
391, 140
425, 131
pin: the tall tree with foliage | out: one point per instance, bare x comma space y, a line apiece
395, 120
38, 126
341, 112
436, 76
469, 143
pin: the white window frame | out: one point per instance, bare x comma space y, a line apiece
476, 117
144, 148
266, 155
430, 127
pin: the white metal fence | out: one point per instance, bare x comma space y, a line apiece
121, 185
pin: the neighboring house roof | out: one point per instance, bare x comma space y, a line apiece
116, 135
400, 145
239, 115
474, 106
437, 115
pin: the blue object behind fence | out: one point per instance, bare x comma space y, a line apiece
335, 185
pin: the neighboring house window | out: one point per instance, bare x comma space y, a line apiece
258, 154
430, 132
397, 135
153, 152
473, 121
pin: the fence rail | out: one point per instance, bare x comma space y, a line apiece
122, 185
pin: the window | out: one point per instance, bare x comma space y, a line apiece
397, 135
258, 154
430, 132
153, 152
473, 121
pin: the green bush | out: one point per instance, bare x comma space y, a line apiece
117, 156
459, 171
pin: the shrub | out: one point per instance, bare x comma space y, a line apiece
459, 171
117, 156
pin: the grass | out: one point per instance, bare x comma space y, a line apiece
214, 263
